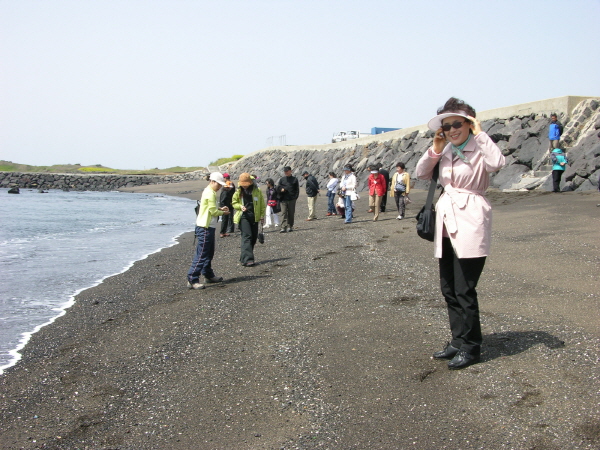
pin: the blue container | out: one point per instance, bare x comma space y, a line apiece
379, 130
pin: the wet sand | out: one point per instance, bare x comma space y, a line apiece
327, 343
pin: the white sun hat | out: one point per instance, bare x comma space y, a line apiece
436, 123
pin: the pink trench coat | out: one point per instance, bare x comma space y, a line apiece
463, 208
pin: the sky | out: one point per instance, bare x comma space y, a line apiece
134, 84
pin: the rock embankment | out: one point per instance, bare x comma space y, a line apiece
522, 138
92, 182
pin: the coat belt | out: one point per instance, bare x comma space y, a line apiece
458, 197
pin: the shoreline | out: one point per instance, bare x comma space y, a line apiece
186, 189
25, 337
326, 345
14, 354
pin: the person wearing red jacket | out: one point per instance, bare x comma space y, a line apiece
377, 189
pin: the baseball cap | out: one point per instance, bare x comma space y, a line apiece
216, 176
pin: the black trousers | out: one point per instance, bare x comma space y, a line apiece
249, 231
458, 280
556, 176
383, 204
227, 222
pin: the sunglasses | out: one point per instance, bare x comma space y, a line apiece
457, 125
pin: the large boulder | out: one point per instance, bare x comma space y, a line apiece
531, 152
509, 175
516, 141
590, 184
503, 131
539, 127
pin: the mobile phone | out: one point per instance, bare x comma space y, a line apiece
442, 135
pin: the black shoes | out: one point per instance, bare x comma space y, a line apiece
214, 279
283, 230
462, 360
448, 353
459, 359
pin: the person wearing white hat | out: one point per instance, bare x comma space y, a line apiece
466, 157
206, 222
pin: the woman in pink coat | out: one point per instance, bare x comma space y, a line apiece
466, 157
377, 189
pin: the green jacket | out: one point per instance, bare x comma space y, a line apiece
208, 208
258, 199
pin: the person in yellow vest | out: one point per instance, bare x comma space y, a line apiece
206, 222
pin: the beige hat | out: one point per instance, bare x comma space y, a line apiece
245, 180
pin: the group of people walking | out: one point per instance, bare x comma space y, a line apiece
464, 157
246, 207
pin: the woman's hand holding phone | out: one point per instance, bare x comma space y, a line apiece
439, 141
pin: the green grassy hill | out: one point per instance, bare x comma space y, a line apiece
221, 161
8, 166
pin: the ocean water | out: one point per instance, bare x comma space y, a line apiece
54, 245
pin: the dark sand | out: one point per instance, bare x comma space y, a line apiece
327, 343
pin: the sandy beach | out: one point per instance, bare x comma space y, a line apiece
327, 343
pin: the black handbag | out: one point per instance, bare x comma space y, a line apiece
261, 234
426, 217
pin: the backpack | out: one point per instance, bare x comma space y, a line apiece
555, 159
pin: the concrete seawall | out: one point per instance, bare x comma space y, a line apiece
520, 131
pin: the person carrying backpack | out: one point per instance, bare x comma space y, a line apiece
559, 163
312, 190
554, 132
288, 191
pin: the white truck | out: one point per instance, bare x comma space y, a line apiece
347, 135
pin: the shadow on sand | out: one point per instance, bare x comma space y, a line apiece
508, 343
